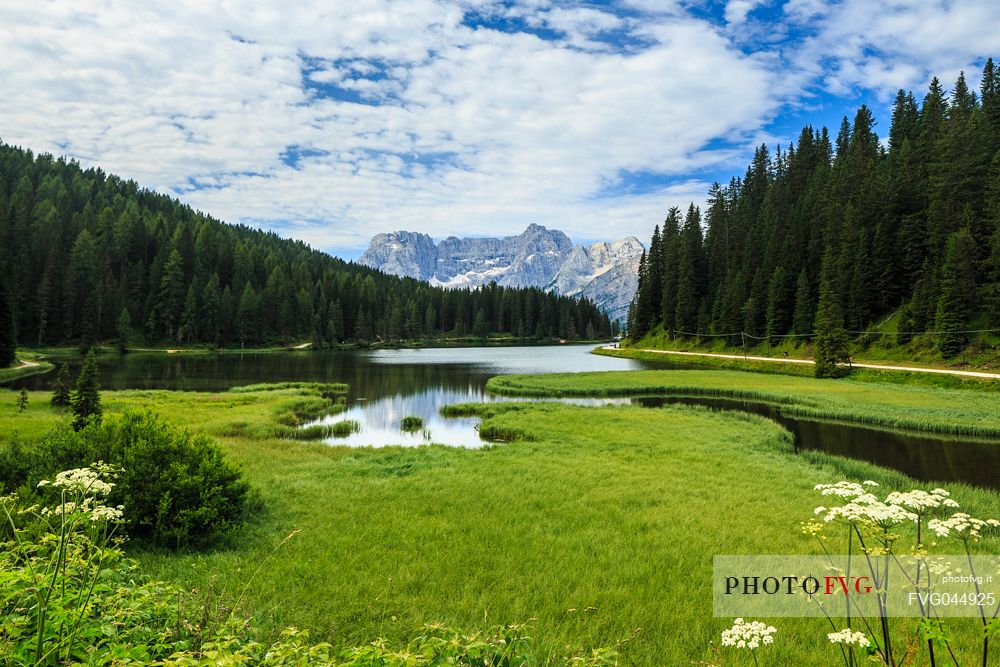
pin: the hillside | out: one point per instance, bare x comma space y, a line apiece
87, 256
891, 243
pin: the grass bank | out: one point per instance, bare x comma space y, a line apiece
877, 346
31, 367
931, 409
598, 523
250, 412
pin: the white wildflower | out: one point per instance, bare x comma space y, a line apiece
82, 480
961, 526
749, 635
105, 513
847, 636
920, 501
867, 508
842, 489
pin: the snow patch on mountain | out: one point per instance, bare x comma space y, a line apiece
606, 273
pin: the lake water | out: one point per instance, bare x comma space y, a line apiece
387, 385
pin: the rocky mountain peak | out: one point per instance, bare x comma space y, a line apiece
606, 272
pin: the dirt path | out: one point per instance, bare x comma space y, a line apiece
856, 364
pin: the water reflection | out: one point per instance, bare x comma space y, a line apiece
387, 385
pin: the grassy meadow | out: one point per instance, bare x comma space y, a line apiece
933, 409
596, 525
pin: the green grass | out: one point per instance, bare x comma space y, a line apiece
343, 428
255, 412
594, 522
879, 346
411, 423
802, 370
889, 406
621, 517
19, 371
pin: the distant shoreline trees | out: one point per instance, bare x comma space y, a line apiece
832, 234
90, 257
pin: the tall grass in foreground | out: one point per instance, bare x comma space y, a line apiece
596, 522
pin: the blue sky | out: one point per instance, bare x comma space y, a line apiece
331, 122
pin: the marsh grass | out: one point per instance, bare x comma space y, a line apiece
343, 428
593, 530
411, 424
936, 410
595, 522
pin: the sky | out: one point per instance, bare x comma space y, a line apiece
333, 120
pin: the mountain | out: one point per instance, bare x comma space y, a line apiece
606, 273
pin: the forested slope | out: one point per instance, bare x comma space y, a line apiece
865, 229
86, 256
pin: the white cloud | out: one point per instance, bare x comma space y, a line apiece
459, 129
884, 46
737, 10
475, 130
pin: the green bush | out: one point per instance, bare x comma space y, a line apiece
177, 486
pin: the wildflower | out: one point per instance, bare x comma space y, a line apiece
921, 502
843, 489
867, 508
82, 480
105, 513
846, 636
961, 526
748, 635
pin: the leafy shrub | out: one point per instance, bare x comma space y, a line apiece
177, 486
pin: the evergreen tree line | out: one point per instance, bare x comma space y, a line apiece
86, 256
844, 231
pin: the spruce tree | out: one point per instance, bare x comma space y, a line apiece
957, 286
777, 304
22, 401
831, 339
124, 331
8, 331
61, 396
87, 397
803, 317
480, 327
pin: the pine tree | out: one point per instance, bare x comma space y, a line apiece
61, 389
87, 397
22, 401
777, 304
688, 276
670, 240
123, 329
8, 330
640, 313
803, 317
480, 327
831, 339
957, 285
172, 294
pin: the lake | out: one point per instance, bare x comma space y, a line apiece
387, 385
